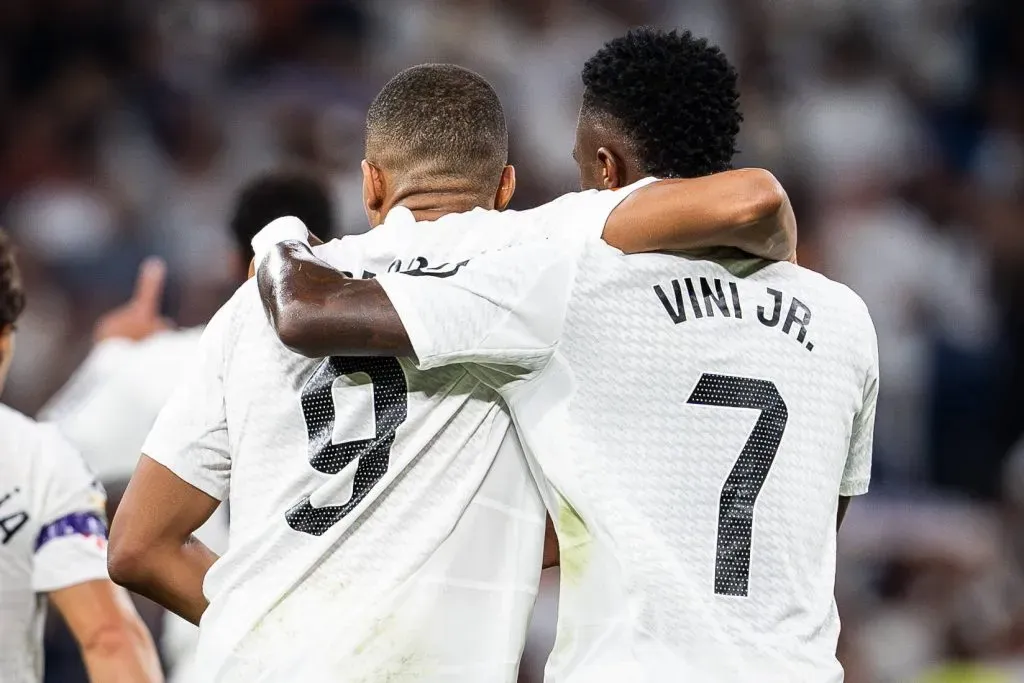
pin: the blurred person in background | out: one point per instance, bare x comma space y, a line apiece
111, 402
53, 542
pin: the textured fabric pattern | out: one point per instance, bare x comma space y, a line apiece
698, 428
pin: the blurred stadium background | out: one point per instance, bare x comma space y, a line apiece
896, 125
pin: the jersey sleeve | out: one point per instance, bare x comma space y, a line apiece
190, 436
71, 547
504, 308
857, 474
582, 213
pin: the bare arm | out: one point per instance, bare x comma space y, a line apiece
311, 305
747, 209
115, 644
152, 550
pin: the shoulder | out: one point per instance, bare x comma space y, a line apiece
38, 445
843, 305
22, 435
22, 432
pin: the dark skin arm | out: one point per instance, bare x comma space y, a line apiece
317, 311
152, 550
311, 305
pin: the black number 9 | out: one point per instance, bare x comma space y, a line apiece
390, 408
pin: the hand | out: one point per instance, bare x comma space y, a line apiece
310, 237
140, 317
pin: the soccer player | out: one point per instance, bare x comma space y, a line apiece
700, 424
111, 402
384, 522
53, 542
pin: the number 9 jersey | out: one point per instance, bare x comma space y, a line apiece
696, 423
384, 522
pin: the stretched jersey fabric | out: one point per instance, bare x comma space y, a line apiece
696, 426
385, 525
53, 535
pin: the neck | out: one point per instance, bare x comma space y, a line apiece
431, 204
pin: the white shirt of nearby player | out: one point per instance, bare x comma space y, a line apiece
419, 558
106, 410
108, 406
697, 430
52, 536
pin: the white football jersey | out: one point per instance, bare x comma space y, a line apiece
385, 525
106, 410
696, 428
53, 535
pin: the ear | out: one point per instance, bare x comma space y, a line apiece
613, 170
373, 193
506, 188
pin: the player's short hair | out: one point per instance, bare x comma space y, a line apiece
12, 296
280, 193
674, 95
441, 119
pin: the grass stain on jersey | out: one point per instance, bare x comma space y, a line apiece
574, 542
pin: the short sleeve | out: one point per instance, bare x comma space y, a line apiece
502, 308
190, 436
857, 474
584, 213
71, 547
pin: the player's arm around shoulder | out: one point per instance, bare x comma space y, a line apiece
746, 209
318, 311
116, 646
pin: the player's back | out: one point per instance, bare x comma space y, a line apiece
713, 421
52, 535
374, 511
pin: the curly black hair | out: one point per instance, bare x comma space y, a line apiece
275, 194
674, 95
12, 296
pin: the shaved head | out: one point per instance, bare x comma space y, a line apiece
438, 122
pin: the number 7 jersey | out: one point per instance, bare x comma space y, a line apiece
696, 424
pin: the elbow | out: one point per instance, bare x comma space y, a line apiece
293, 333
113, 639
127, 562
123, 645
767, 197
771, 214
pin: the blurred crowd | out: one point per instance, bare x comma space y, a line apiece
897, 127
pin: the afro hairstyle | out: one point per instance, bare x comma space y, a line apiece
675, 97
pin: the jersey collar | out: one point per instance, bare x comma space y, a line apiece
399, 215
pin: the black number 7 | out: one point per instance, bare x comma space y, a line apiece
742, 486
